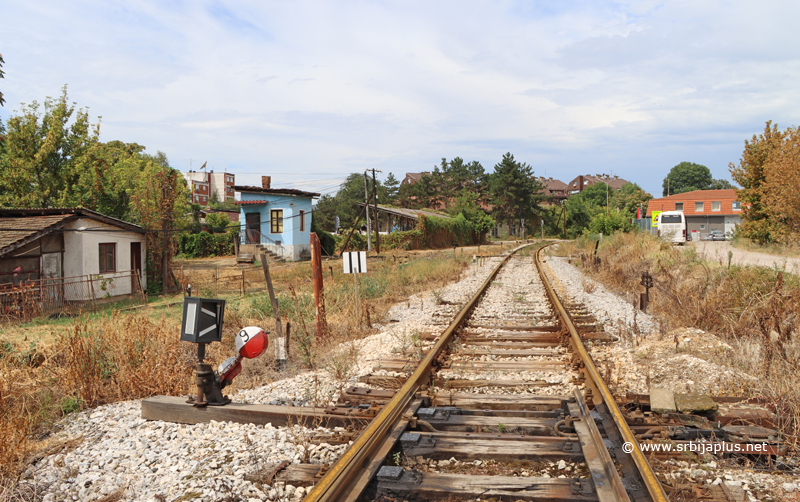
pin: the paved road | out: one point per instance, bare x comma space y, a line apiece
718, 251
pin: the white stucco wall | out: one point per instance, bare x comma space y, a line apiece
82, 255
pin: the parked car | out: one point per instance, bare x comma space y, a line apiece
717, 235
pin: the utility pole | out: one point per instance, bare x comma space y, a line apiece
667, 187
606, 199
377, 221
366, 201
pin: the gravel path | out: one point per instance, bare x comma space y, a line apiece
718, 251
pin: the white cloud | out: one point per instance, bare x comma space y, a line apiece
333, 87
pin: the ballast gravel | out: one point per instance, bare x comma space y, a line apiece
120, 456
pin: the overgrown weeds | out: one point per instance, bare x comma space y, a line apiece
96, 359
753, 308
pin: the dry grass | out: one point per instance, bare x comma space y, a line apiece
79, 364
754, 309
792, 250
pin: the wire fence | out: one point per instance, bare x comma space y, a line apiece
211, 281
68, 295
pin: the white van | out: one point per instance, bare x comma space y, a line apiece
672, 226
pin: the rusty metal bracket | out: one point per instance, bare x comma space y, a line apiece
274, 472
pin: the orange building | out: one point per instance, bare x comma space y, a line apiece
705, 210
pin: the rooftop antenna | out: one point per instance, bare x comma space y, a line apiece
204, 165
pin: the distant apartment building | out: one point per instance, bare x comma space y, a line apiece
584, 181
203, 184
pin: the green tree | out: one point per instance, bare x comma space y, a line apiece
40, 165
456, 176
466, 204
580, 212
218, 223
324, 214
630, 198
515, 193
687, 177
425, 193
720, 184
2, 75
607, 224
597, 195
392, 188
344, 204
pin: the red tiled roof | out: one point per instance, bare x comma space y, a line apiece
550, 184
250, 202
728, 193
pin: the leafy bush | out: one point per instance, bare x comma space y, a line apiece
327, 241
607, 224
204, 244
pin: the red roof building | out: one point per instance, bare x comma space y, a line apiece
705, 210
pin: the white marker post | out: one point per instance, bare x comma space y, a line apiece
355, 262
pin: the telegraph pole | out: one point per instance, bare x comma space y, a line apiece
366, 201
377, 221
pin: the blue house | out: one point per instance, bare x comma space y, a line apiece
276, 220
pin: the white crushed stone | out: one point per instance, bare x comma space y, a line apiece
209, 462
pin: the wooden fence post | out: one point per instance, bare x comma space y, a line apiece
244, 288
91, 290
281, 341
319, 290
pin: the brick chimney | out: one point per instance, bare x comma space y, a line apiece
266, 181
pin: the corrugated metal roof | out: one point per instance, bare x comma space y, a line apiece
276, 191
251, 202
18, 227
406, 213
79, 211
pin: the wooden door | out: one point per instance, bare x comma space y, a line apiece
136, 257
253, 225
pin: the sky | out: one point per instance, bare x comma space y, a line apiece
310, 91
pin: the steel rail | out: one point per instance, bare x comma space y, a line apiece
654, 487
336, 480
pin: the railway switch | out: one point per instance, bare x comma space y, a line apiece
202, 323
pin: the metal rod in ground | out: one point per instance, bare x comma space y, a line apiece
319, 290
280, 339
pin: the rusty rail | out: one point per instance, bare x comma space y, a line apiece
338, 478
643, 466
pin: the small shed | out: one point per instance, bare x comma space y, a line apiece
51, 246
399, 218
276, 220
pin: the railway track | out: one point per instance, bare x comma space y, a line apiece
506, 403
520, 432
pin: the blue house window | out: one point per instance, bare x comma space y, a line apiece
276, 221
